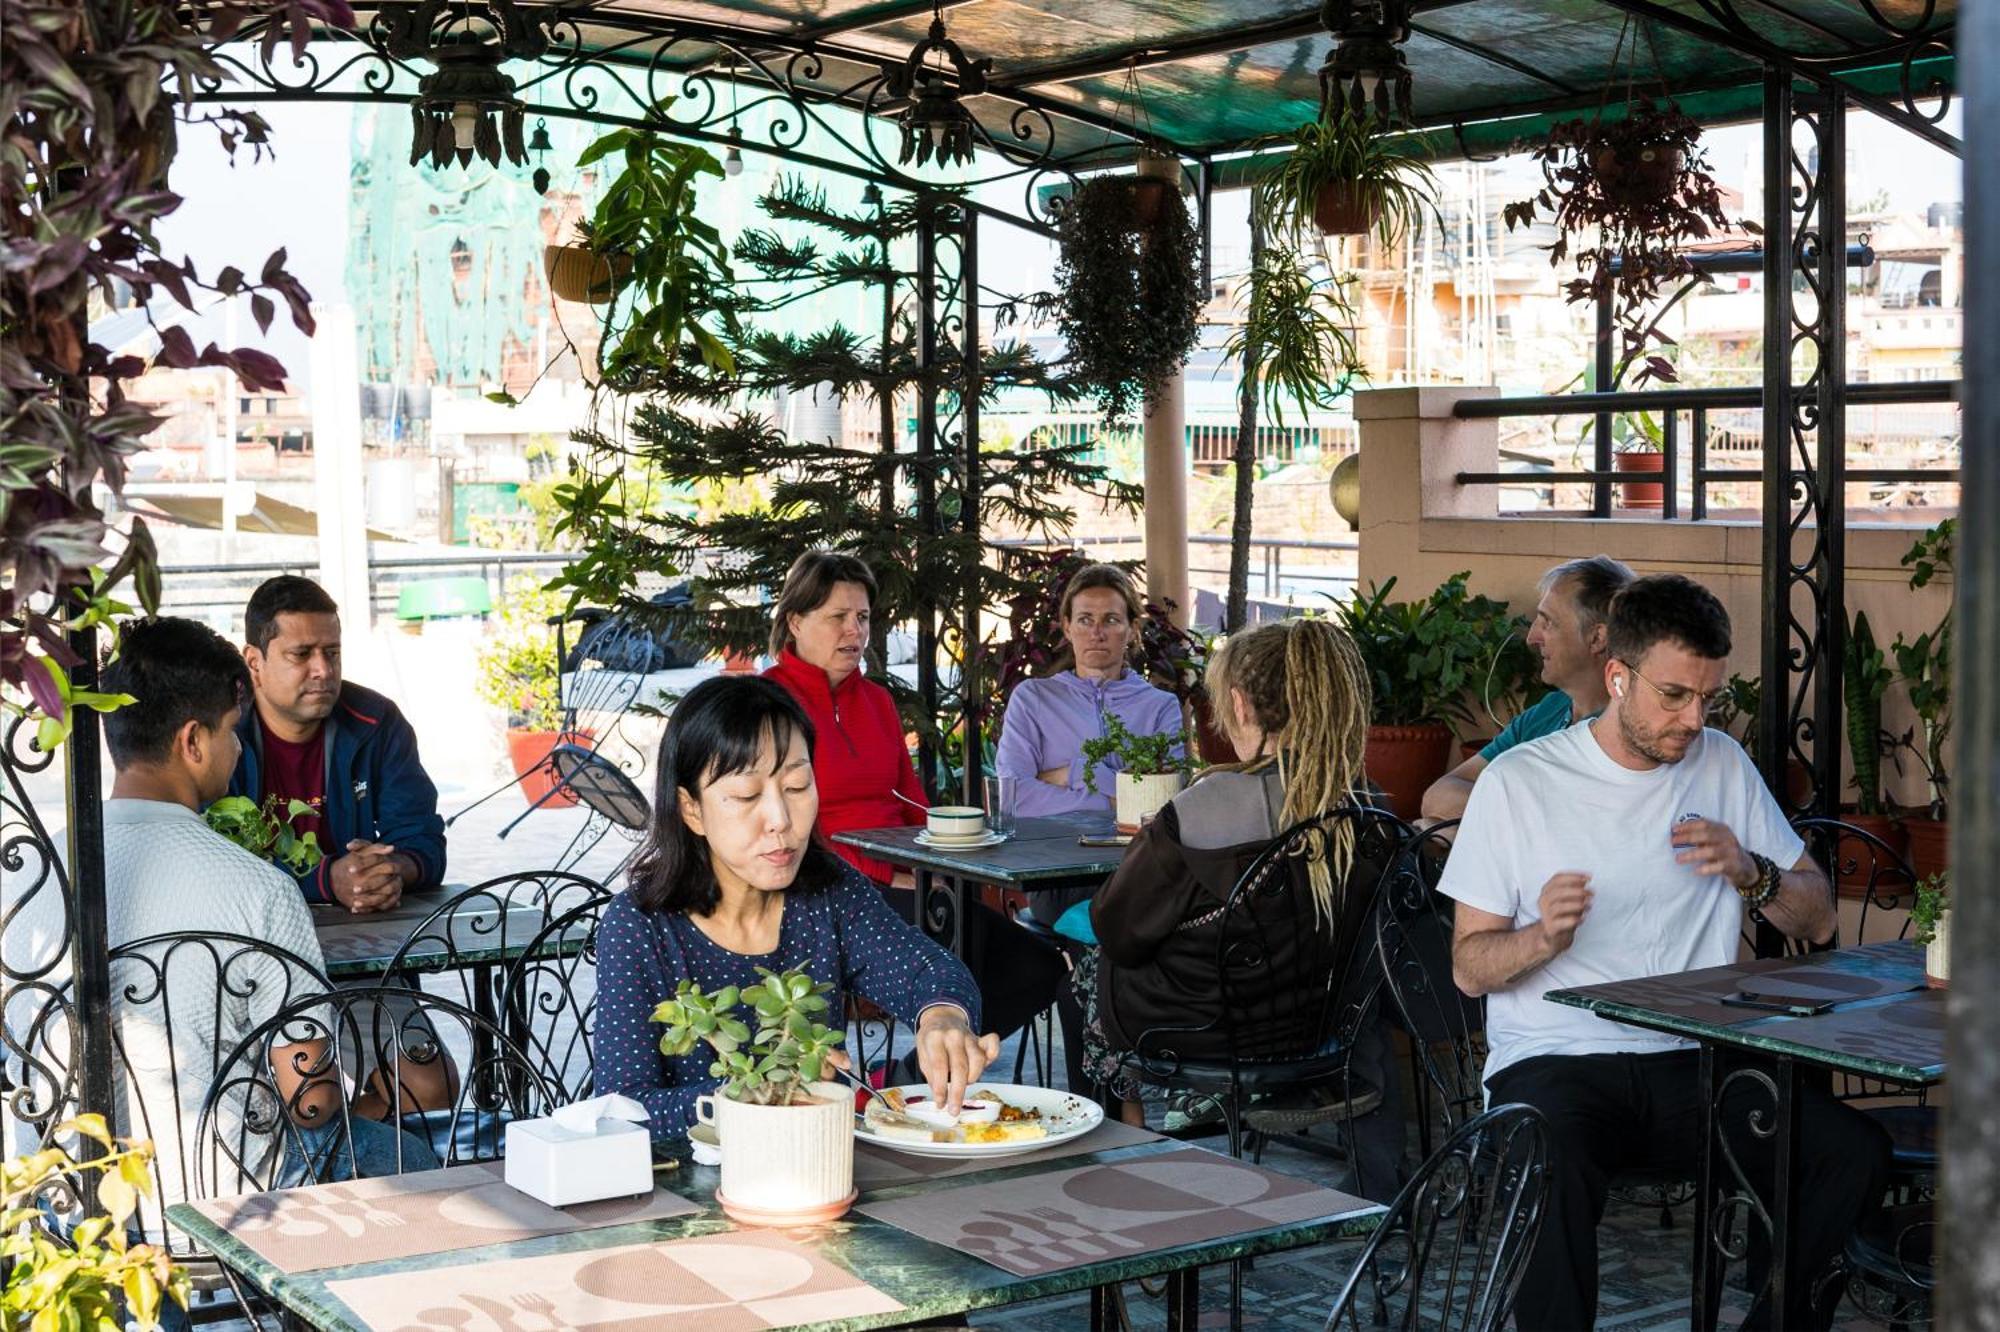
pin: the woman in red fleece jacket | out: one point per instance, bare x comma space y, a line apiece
819, 635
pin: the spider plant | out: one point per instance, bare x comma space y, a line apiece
1297, 334
1344, 176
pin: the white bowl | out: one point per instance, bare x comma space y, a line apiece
933, 1113
956, 821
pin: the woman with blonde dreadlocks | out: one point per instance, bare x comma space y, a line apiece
1294, 698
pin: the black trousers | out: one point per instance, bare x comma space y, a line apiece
1018, 975
1613, 1112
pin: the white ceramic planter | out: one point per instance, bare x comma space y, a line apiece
1937, 953
1140, 798
785, 1164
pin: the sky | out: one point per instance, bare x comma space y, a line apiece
298, 199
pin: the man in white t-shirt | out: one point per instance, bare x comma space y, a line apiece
1631, 845
167, 872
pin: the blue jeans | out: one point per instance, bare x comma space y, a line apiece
321, 1154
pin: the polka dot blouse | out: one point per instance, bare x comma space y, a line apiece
846, 934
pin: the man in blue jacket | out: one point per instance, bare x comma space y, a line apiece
345, 750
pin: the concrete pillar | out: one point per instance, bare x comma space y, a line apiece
336, 412
1412, 450
1166, 470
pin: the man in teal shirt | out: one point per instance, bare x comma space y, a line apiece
1569, 633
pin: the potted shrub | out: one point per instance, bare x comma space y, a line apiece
1127, 301
1865, 679
1638, 443
1924, 666
1345, 177
1149, 772
96, 1277
787, 1137
267, 832
518, 671
1638, 188
1424, 659
1930, 925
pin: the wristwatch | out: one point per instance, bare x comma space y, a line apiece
1760, 893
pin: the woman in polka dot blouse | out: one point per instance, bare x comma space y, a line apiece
731, 880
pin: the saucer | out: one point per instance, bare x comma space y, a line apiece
984, 839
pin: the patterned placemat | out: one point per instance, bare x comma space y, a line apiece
1071, 1218
402, 1216
744, 1281
879, 1167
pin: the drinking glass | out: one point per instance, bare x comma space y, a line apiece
1000, 793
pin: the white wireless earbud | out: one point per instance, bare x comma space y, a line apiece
1618, 686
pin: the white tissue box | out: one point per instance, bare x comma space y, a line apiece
561, 1166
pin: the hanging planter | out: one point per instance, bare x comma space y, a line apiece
1636, 189
578, 273
1346, 176
1127, 300
1149, 201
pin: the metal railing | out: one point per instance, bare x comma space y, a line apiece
226, 587
197, 587
1696, 403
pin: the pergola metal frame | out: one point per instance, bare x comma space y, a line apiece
1044, 141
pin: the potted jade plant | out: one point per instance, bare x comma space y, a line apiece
518, 672
96, 1277
1865, 678
1629, 195
1425, 659
787, 1137
1344, 176
1127, 300
1924, 667
1149, 772
1930, 925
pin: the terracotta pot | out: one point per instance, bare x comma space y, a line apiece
1149, 200
1855, 861
784, 1165
1140, 798
528, 749
1404, 761
739, 663
1930, 845
1641, 494
577, 273
1340, 209
1937, 954
1642, 178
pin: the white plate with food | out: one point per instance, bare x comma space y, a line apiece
999, 1119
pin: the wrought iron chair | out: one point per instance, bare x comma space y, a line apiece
259, 1131
477, 941
162, 1039
1281, 1035
548, 995
1454, 1245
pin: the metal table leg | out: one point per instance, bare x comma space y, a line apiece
941, 910
1184, 1300
1708, 1261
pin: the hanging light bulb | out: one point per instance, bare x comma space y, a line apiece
732, 161
465, 125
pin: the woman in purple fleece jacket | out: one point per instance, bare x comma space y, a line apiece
1048, 719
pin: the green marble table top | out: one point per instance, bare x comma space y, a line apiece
1043, 853
929, 1280
362, 946
1898, 1037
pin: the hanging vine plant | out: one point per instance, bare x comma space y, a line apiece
92, 93
1128, 298
1629, 195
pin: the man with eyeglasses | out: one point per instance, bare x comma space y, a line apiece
1633, 845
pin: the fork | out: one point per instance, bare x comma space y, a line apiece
539, 1305
891, 1101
